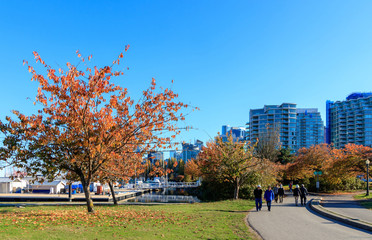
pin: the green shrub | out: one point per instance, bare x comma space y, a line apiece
347, 184
215, 191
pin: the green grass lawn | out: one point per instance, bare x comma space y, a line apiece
368, 200
217, 220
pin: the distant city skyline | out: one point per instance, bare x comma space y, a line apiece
224, 57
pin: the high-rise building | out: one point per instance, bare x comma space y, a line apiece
190, 151
279, 119
350, 121
296, 128
176, 155
238, 133
309, 127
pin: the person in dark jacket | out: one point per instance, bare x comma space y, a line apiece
303, 193
281, 193
275, 190
290, 186
269, 196
258, 197
296, 193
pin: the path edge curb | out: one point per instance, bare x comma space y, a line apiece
246, 219
315, 206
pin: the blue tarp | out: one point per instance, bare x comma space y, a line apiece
47, 191
75, 187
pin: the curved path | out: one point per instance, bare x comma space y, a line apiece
287, 221
345, 205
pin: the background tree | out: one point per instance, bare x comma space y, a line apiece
160, 168
308, 160
285, 156
268, 144
86, 122
122, 170
348, 162
229, 160
192, 169
339, 167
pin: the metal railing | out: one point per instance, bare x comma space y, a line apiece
167, 198
162, 185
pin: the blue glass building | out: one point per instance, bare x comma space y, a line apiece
190, 151
281, 118
238, 133
297, 128
350, 121
309, 127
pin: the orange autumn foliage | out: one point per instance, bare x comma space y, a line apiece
308, 160
193, 169
88, 125
335, 164
226, 161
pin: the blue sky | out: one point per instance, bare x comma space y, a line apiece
225, 57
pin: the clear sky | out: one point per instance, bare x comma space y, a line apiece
225, 57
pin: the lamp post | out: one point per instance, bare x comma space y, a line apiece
367, 163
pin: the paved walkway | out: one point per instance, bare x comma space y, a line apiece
347, 206
287, 221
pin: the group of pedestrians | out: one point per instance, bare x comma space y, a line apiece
300, 192
270, 194
277, 194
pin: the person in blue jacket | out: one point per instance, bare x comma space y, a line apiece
269, 196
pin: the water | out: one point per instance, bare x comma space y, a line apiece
166, 196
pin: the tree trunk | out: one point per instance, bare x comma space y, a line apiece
87, 195
236, 191
70, 192
113, 193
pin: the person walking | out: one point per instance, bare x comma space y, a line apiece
258, 197
290, 186
275, 190
296, 194
303, 193
281, 193
269, 196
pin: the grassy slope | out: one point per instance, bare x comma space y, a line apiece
218, 220
368, 200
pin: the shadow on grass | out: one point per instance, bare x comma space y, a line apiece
231, 211
5, 211
366, 203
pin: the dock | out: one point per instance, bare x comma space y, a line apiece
80, 197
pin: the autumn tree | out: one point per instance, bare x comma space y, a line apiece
87, 123
192, 169
339, 167
229, 160
159, 168
348, 162
308, 160
122, 170
172, 165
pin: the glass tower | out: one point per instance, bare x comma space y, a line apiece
350, 121
297, 128
280, 118
309, 128
191, 151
